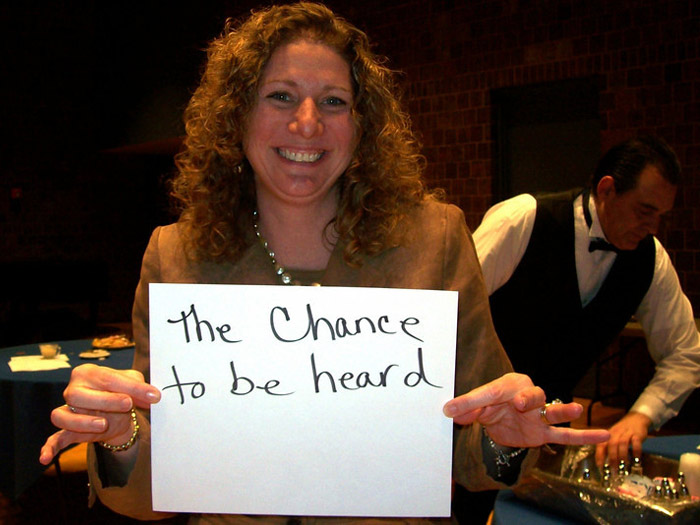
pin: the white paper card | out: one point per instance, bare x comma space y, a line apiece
302, 400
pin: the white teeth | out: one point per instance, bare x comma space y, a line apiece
300, 156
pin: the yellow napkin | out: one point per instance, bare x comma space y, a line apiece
36, 363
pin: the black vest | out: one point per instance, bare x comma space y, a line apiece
538, 314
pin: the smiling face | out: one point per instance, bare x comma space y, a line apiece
301, 134
630, 216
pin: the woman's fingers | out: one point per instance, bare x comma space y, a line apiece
501, 390
78, 420
556, 413
89, 400
570, 436
60, 440
100, 388
529, 398
51, 447
63, 438
99, 400
469, 417
515, 413
82, 426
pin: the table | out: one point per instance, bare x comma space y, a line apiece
26, 402
509, 509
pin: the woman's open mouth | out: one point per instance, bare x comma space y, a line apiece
300, 156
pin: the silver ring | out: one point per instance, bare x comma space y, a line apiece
543, 410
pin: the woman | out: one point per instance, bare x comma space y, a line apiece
296, 141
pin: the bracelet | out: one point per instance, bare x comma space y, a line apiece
128, 444
502, 459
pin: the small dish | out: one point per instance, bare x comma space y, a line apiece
96, 353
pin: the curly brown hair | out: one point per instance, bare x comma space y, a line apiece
215, 183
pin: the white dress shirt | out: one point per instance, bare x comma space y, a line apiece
665, 313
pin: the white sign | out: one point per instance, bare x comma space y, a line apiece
302, 400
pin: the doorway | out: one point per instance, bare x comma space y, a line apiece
547, 136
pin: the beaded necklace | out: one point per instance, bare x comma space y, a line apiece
283, 274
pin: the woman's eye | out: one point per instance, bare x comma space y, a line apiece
278, 95
335, 101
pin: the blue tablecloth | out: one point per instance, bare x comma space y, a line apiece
672, 446
508, 509
26, 402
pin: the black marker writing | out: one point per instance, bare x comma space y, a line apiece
196, 392
338, 329
184, 317
350, 381
420, 374
248, 386
362, 380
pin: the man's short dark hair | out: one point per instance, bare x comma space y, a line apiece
625, 161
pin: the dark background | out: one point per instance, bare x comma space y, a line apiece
92, 95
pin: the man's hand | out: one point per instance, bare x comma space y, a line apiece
631, 430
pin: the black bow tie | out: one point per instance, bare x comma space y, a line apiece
596, 243
600, 244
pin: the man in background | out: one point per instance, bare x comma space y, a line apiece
566, 271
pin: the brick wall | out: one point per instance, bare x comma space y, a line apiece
453, 53
81, 80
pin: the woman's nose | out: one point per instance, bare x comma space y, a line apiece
307, 120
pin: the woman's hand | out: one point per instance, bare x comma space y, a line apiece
98, 405
509, 408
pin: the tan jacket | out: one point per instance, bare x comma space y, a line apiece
432, 250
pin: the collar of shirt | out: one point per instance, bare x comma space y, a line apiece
591, 267
596, 231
